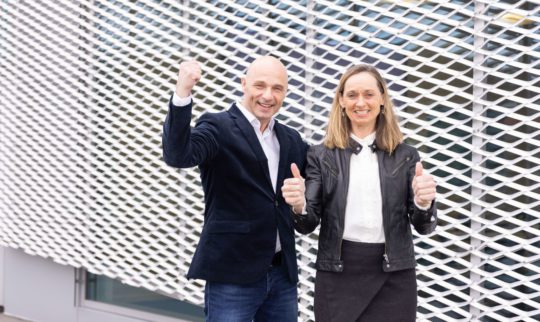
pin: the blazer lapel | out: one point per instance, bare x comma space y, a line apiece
284, 146
249, 134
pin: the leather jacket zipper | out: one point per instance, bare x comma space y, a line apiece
400, 165
340, 246
330, 168
345, 204
386, 256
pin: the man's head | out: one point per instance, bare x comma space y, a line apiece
264, 87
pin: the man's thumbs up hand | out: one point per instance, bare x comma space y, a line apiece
424, 187
419, 169
295, 171
294, 189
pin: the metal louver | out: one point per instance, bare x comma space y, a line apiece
84, 87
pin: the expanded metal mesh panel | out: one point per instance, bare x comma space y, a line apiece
41, 141
84, 89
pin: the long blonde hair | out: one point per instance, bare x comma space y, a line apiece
387, 136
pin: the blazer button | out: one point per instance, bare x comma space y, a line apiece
276, 203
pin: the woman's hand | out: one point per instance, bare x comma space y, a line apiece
424, 187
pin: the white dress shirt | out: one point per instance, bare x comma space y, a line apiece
267, 139
363, 214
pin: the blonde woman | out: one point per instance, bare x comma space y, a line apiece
365, 187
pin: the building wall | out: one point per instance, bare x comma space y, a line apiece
84, 87
38, 289
2, 277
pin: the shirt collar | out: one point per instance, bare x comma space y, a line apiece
368, 140
253, 120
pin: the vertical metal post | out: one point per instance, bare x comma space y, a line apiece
88, 52
308, 75
309, 62
183, 175
185, 27
477, 160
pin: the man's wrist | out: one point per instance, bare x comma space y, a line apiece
180, 101
297, 210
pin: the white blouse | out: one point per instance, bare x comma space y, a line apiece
363, 214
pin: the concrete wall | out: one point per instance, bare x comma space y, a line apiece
1, 277
89, 315
40, 290
37, 289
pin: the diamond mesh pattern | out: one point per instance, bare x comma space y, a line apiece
84, 87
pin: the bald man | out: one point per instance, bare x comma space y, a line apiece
246, 252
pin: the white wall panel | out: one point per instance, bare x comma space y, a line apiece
84, 87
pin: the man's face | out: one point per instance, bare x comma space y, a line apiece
265, 87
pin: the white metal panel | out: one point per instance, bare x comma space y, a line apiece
84, 87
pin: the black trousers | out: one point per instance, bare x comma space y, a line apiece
363, 292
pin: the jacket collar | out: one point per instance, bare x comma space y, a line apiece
355, 146
253, 120
248, 131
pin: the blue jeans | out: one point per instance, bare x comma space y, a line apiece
272, 298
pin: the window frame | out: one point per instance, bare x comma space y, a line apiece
82, 302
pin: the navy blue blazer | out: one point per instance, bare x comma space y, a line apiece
242, 212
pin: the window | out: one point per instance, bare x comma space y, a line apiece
107, 290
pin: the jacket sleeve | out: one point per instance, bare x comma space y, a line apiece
184, 147
424, 221
306, 223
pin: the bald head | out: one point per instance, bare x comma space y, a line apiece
265, 87
268, 63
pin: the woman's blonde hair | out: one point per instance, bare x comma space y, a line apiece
388, 135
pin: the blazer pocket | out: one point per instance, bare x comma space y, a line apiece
228, 226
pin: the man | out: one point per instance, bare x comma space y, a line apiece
246, 252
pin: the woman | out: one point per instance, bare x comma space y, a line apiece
366, 188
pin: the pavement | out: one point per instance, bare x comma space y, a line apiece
7, 318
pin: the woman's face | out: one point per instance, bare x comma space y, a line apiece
362, 99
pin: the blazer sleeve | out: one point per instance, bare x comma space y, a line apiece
184, 147
424, 221
306, 223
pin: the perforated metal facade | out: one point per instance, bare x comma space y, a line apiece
84, 87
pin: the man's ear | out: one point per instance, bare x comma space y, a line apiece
243, 82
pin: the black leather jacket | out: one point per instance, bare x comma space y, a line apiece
327, 183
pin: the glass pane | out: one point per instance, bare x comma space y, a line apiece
110, 291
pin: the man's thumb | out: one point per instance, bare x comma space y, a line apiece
295, 171
419, 169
